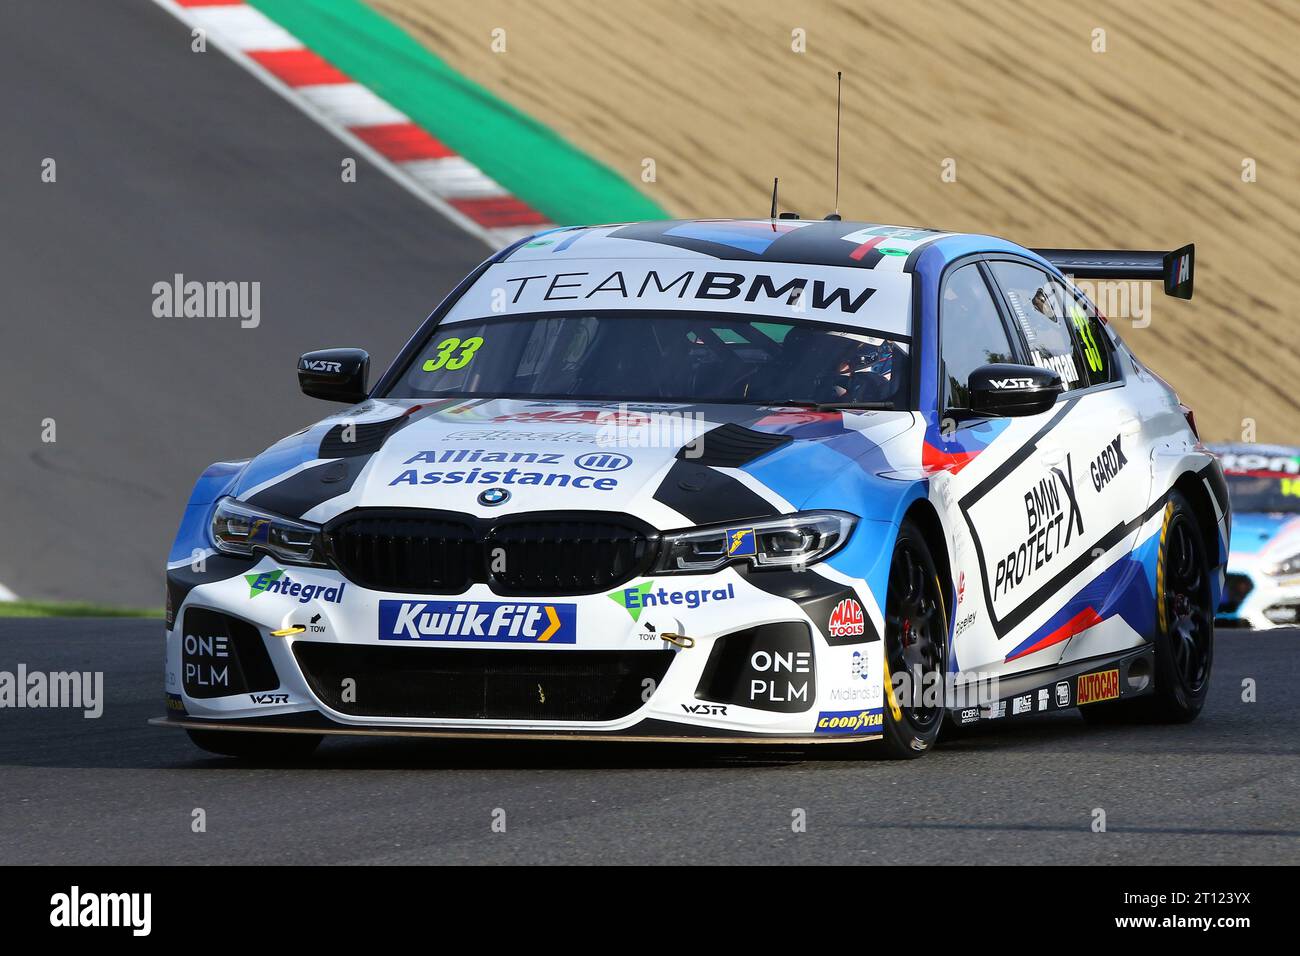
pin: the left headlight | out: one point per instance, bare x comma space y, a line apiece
238, 528
790, 541
1289, 565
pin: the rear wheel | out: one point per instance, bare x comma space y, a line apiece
1184, 641
916, 650
255, 746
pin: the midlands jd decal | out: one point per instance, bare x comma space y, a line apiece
481, 621
277, 582
645, 595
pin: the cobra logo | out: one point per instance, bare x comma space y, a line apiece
602, 461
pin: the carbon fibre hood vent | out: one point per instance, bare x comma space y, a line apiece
367, 438
731, 446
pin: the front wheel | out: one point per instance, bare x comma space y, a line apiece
255, 746
916, 650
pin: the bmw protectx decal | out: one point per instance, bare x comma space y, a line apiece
481, 621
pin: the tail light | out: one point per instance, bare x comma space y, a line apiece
1191, 420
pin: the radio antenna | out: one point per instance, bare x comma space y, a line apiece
774, 182
839, 83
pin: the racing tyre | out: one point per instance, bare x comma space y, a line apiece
256, 746
916, 644
1184, 642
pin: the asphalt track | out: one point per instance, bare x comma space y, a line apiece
1223, 790
168, 161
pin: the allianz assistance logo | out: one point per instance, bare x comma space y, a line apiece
847, 620
479, 621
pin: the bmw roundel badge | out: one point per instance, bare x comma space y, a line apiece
494, 496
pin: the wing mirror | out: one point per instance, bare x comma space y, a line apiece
1007, 391
336, 375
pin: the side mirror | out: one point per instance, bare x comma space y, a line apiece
1012, 390
336, 375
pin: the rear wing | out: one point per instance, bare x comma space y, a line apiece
1173, 268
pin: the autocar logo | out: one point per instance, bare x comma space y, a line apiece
493, 496
602, 461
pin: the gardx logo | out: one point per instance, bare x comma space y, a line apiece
645, 595
277, 582
478, 621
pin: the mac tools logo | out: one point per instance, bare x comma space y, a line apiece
847, 620
482, 621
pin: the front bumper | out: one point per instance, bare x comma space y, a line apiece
772, 657
1257, 600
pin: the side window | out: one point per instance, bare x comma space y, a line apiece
1050, 317
971, 333
1094, 340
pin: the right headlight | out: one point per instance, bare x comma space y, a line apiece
795, 540
238, 528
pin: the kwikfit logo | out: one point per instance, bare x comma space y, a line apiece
277, 582
478, 621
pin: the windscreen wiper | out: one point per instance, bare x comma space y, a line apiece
838, 406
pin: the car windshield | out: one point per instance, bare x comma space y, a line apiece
659, 356
1267, 493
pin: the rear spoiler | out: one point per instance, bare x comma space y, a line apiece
1174, 268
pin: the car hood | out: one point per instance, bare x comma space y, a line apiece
641, 459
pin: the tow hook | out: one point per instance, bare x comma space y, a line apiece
679, 640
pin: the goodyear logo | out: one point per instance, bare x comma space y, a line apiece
489, 622
740, 542
1103, 685
850, 721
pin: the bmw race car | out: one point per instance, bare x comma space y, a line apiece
1263, 581
775, 481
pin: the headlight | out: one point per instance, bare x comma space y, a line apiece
238, 528
792, 541
1289, 565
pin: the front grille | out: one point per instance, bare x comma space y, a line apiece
564, 557
427, 552
453, 683
398, 552
1236, 587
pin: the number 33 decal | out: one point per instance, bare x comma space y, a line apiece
443, 357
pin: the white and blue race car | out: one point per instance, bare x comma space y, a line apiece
774, 481
1263, 582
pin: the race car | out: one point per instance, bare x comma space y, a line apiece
778, 481
1263, 580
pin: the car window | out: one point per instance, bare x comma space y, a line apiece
659, 356
1043, 309
971, 332
1093, 339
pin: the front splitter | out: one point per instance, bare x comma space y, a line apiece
471, 734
